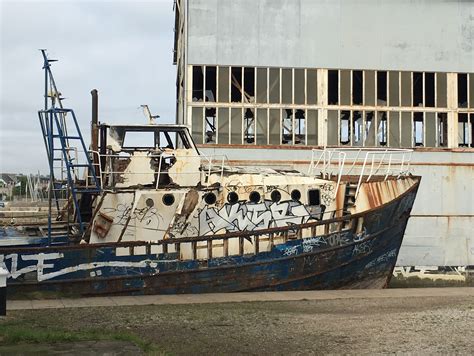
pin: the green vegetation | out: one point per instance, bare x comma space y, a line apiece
15, 332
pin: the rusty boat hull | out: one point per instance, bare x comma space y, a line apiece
341, 257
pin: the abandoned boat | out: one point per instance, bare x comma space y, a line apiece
145, 213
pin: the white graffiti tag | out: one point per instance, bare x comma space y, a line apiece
39, 265
251, 216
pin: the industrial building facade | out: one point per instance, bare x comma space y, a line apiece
260, 80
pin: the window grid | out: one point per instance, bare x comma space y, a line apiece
207, 127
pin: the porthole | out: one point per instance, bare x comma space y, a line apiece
168, 199
149, 203
314, 197
275, 196
254, 197
210, 198
232, 197
295, 194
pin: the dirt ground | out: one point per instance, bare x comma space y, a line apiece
430, 325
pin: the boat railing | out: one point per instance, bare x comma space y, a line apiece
364, 163
212, 165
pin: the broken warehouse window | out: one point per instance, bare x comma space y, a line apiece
223, 92
345, 128
236, 87
357, 87
417, 89
299, 90
300, 127
462, 90
333, 87
357, 128
249, 126
211, 123
198, 83
369, 129
382, 131
465, 130
430, 90
418, 129
442, 129
287, 126
210, 92
249, 85
382, 88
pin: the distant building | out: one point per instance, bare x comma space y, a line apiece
258, 80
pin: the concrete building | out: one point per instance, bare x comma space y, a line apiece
264, 81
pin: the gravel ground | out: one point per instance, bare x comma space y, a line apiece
430, 325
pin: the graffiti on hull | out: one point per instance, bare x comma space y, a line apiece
248, 216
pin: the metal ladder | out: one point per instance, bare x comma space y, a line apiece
59, 141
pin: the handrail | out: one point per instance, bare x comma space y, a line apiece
208, 166
332, 161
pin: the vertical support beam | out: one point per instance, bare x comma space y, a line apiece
322, 75
3, 291
452, 82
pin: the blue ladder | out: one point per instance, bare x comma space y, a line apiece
59, 139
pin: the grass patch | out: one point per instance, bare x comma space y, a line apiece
12, 333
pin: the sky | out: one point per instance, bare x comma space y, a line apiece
121, 48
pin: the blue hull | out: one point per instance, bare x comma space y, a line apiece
341, 259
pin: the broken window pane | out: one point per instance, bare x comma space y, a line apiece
198, 83
345, 90
406, 89
463, 130
369, 129
300, 127
441, 90
430, 129
357, 128
274, 126
407, 132
210, 84
357, 87
236, 87
249, 126
312, 86
236, 126
345, 128
287, 126
299, 86
418, 129
333, 118
223, 121
312, 135
382, 128
262, 126
442, 129
382, 88
333, 87
429, 90
462, 90
286, 86
274, 86
223, 92
197, 124
394, 129
394, 88
211, 123
471, 122
249, 85
417, 89
262, 85
369, 93
471, 90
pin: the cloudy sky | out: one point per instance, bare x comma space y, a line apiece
122, 48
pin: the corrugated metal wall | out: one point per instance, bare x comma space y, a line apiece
424, 35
